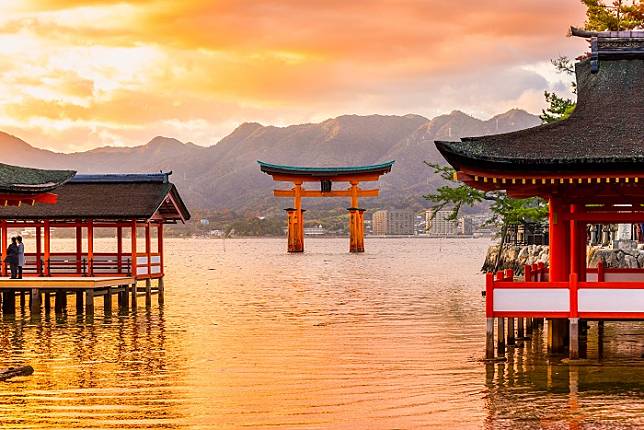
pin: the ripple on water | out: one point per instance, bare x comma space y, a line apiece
253, 337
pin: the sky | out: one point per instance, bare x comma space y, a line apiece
79, 74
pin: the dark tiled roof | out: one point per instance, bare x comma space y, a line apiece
92, 198
606, 130
14, 179
325, 171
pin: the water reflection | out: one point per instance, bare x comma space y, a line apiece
102, 373
542, 391
252, 337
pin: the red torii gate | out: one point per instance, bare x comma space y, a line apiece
326, 176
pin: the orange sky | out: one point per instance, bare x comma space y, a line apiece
76, 74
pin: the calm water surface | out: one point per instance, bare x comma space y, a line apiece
251, 337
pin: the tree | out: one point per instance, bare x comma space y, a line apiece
504, 210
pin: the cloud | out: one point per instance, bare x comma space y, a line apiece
80, 73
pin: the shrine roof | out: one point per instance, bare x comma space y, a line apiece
605, 131
25, 180
109, 197
325, 172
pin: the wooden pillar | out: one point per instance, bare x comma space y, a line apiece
39, 265
79, 248
500, 343
520, 329
573, 348
300, 215
119, 249
489, 338
89, 301
296, 221
79, 302
90, 247
4, 245
133, 250
47, 295
148, 246
295, 243
161, 291
160, 247
148, 293
107, 302
9, 302
47, 247
511, 340
560, 257
134, 292
60, 301
35, 302
22, 301
559, 237
356, 229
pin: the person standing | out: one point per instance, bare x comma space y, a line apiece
21, 256
12, 257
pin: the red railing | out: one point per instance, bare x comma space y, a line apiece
566, 299
100, 264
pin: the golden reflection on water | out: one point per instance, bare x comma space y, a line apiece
252, 337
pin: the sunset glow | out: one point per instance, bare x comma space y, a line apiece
77, 74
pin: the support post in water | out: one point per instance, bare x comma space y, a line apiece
573, 348
500, 343
489, 338
520, 330
79, 302
133, 288
161, 290
35, 302
148, 293
511, 341
89, 299
107, 302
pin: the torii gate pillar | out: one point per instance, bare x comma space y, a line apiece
356, 229
295, 229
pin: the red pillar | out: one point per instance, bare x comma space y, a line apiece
160, 246
133, 256
4, 245
577, 244
119, 248
559, 236
148, 253
79, 248
39, 250
47, 248
90, 247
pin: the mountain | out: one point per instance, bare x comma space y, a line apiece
226, 175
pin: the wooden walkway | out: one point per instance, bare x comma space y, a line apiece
85, 289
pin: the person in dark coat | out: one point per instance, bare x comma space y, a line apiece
12, 257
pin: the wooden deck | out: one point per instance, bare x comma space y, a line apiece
41, 290
68, 283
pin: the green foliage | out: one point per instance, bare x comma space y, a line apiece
614, 16
504, 210
254, 226
558, 108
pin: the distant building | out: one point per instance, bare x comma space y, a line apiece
393, 222
314, 231
441, 224
204, 221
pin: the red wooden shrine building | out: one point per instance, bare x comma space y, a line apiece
590, 169
134, 207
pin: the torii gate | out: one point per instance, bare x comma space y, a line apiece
325, 176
